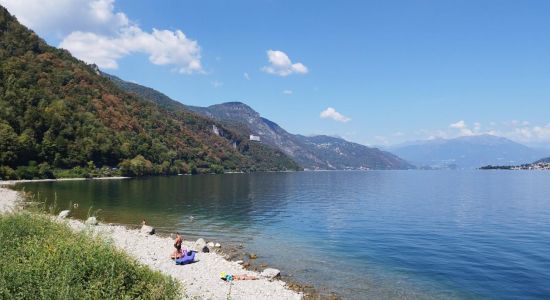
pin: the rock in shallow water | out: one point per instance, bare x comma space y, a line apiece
270, 273
91, 221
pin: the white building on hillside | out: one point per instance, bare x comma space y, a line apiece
255, 138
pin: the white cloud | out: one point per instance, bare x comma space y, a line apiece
458, 125
287, 92
539, 134
281, 65
61, 17
93, 32
461, 125
246, 76
331, 113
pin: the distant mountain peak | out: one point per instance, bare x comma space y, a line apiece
471, 151
232, 110
233, 104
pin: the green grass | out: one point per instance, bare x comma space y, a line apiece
43, 259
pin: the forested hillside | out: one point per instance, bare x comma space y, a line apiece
59, 114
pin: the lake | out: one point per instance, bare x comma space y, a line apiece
373, 234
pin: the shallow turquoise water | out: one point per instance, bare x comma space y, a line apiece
375, 234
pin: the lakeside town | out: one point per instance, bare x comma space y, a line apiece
542, 165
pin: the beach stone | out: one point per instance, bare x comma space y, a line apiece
63, 214
240, 262
199, 245
270, 273
217, 245
252, 256
210, 244
146, 229
91, 221
205, 249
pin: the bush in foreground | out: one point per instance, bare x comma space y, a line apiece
42, 259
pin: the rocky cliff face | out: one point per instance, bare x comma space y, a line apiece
241, 115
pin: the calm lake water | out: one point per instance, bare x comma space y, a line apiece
375, 234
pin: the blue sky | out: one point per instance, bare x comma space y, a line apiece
390, 70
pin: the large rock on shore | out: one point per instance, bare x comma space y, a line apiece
146, 229
270, 273
63, 214
201, 246
91, 221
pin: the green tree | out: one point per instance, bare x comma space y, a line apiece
9, 144
138, 166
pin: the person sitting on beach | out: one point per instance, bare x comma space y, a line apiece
177, 244
228, 277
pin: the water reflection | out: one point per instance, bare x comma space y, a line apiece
196, 205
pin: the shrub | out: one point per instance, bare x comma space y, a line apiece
7, 173
27, 172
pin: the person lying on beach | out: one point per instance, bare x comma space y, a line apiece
228, 277
177, 244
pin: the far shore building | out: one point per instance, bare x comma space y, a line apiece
255, 138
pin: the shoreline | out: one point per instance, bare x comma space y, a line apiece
200, 279
13, 182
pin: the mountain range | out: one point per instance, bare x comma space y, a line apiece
467, 152
311, 152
